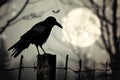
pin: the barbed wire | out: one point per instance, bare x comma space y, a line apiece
76, 71
3, 28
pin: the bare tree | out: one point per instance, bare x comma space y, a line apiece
107, 13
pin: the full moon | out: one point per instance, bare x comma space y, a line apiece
81, 27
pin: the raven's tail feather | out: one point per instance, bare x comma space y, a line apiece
18, 47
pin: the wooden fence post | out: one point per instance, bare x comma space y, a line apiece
106, 76
80, 65
93, 71
20, 67
46, 67
66, 67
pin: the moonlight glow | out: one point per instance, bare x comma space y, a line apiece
81, 27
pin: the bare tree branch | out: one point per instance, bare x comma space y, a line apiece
97, 9
107, 41
30, 16
114, 27
104, 24
3, 28
26, 17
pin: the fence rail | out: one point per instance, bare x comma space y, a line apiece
66, 68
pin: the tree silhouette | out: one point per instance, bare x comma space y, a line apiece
110, 32
107, 12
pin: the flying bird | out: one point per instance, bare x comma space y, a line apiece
37, 35
56, 11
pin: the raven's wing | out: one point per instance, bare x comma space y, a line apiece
25, 40
36, 30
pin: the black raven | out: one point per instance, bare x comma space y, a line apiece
37, 35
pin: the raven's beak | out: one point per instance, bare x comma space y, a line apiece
59, 25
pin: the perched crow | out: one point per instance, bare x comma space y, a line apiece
37, 35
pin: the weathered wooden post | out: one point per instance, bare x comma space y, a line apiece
20, 67
66, 67
46, 67
80, 65
106, 69
93, 71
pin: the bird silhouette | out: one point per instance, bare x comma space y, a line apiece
37, 35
